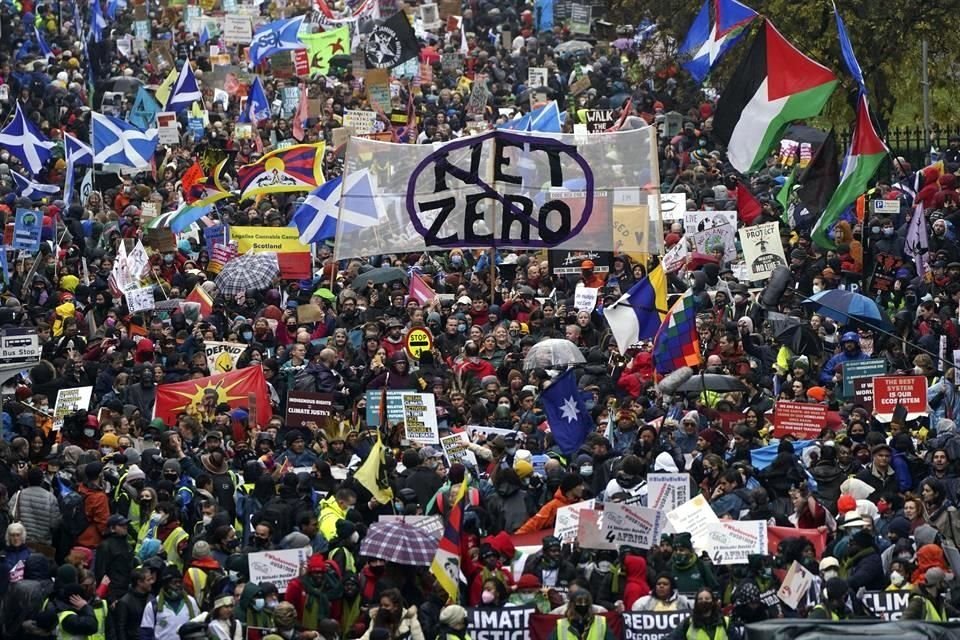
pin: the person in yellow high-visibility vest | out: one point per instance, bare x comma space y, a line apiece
78, 622
928, 604
706, 622
580, 622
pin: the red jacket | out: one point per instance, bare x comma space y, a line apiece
96, 506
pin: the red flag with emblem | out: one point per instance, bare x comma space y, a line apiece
231, 387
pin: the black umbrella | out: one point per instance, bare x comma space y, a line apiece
712, 382
380, 275
800, 338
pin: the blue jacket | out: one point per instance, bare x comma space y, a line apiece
868, 573
904, 479
830, 368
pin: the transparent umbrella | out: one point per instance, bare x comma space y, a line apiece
553, 353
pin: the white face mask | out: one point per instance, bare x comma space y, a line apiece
817, 288
106, 450
830, 573
896, 579
89, 432
355, 537
918, 371
603, 567
207, 520
233, 576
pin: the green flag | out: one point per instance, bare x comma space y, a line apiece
321, 47
783, 196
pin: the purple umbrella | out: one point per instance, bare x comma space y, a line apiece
623, 43
400, 543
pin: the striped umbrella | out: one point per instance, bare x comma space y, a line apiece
249, 271
399, 542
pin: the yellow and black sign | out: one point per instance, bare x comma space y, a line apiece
418, 341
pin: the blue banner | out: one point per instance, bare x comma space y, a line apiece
27, 229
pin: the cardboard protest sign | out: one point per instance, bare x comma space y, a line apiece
860, 369
667, 491
885, 267
585, 298
568, 520
762, 250
27, 228
731, 542
537, 77
420, 418
590, 531
695, 517
800, 419
631, 525
222, 356
277, 567
695, 221
650, 625
716, 238
908, 391
455, 447
307, 406
378, 88
795, 585
599, 120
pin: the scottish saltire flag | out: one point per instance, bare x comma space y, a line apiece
846, 48
638, 313
27, 188
258, 106
546, 118
353, 205
97, 21
710, 37
41, 43
185, 90
677, 343
23, 139
113, 6
77, 154
277, 36
143, 114
204, 34
568, 417
118, 142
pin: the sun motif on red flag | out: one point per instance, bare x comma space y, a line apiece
195, 398
336, 46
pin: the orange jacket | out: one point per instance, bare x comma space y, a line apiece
546, 516
97, 507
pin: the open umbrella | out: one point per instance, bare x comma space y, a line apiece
249, 271
847, 306
797, 336
712, 382
573, 47
399, 542
380, 275
553, 353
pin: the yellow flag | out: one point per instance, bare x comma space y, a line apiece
321, 47
372, 475
163, 91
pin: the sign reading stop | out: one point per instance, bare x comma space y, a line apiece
418, 341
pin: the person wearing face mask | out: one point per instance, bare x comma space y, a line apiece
96, 505
580, 621
255, 608
690, 571
313, 593
850, 352
343, 548
490, 569
706, 620
174, 540
453, 623
204, 577
549, 564
164, 615
114, 558
529, 592
510, 506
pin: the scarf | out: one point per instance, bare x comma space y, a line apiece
317, 607
350, 614
615, 572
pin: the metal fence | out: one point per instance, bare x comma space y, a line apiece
910, 142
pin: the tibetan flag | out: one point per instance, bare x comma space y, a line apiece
232, 388
321, 47
639, 312
296, 168
372, 474
677, 343
446, 562
773, 86
201, 297
864, 157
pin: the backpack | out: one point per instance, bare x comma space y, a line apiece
73, 508
918, 468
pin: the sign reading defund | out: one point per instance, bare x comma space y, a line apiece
504, 189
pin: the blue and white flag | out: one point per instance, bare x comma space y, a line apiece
113, 6
846, 48
97, 22
185, 91
204, 35
353, 205
23, 139
710, 38
545, 119
570, 422
41, 43
77, 154
277, 36
27, 188
258, 106
118, 142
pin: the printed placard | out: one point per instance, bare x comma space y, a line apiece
795, 585
585, 298
731, 542
237, 29
762, 250
362, 122
590, 531
667, 491
694, 517
277, 567
537, 77
420, 418
394, 406
307, 406
223, 356
860, 369
800, 419
631, 525
908, 391
167, 128
568, 520
140, 299
69, 401
456, 448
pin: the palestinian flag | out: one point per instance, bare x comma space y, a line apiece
863, 159
773, 86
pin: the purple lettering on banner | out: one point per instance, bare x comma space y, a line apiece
516, 208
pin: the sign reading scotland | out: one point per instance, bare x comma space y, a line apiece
504, 189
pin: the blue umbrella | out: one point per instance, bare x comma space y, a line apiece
847, 306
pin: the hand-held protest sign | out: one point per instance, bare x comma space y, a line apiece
69, 401
667, 491
277, 567
568, 520
420, 418
695, 517
800, 419
731, 542
631, 525
908, 391
795, 585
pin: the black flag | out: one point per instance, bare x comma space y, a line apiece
391, 43
820, 179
